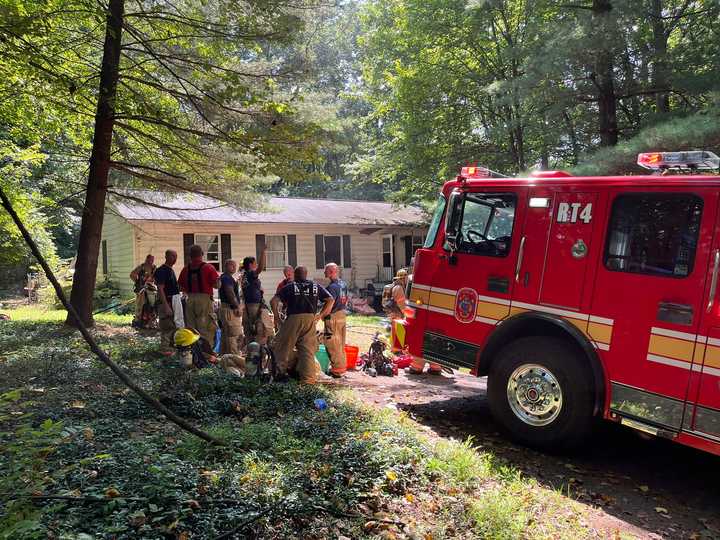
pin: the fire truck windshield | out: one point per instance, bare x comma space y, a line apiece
435, 223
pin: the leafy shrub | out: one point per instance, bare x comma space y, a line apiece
498, 514
24, 452
460, 463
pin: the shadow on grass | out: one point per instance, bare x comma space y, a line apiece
629, 476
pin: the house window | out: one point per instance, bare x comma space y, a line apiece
654, 234
411, 244
276, 251
210, 243
333, 249
387, 254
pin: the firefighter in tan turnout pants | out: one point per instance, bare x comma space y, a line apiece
167, 290
335, 323
230, 313
301, 297
197, 280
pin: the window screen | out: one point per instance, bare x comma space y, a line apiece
487, 224
276, 252
654, 233
387, 251
211, 247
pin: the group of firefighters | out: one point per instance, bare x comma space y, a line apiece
288, 323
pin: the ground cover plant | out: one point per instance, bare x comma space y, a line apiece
81, 457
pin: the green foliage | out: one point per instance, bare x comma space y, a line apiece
16, 167
24, 451
499, 514
515, 84
460, 463
697, 131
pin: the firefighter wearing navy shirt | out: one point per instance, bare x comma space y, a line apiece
230, 312
335, 322
302, 298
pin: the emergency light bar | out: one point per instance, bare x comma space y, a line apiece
473, 171
693, 160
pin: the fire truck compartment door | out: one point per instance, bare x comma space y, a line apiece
568, 250
649, 289
702, 416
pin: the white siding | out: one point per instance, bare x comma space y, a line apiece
118, 234
156, 237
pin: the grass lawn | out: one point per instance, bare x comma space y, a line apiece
69, 429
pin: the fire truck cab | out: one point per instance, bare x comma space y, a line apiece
579, 298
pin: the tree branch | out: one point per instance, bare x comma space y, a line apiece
90, 340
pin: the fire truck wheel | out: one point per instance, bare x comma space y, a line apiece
540, 391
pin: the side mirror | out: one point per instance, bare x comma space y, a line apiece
453, 216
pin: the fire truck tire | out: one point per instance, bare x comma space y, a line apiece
541, 392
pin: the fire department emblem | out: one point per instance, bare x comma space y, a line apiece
465, 305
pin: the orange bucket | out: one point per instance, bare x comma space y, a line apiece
351, 356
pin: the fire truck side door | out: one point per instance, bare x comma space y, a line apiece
702, 416
649, 290
557, 240
471, 288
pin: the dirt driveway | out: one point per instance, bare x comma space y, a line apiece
650, 488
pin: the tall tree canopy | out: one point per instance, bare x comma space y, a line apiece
518, 83
183, 95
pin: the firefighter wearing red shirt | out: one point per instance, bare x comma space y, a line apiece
197, 280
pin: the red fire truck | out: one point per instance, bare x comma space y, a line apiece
579, 297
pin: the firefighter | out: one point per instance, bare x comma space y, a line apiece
278, 308
168, 291
301, 297
230, 313
197, 280
141, 275
192, 350
395, 308
258, 322
394, 300
288, 272
335, 322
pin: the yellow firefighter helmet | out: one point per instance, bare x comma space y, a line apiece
186, 337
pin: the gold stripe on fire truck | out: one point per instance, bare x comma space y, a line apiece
683, 350
491, 310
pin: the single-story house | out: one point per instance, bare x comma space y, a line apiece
369, 240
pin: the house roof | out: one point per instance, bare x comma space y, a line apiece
184, 207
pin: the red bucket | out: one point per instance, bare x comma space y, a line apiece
351, 356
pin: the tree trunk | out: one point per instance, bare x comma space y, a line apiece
92, 218
660, 75
607, 100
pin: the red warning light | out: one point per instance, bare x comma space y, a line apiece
473, 171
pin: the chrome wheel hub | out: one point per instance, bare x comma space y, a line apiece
534, 395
